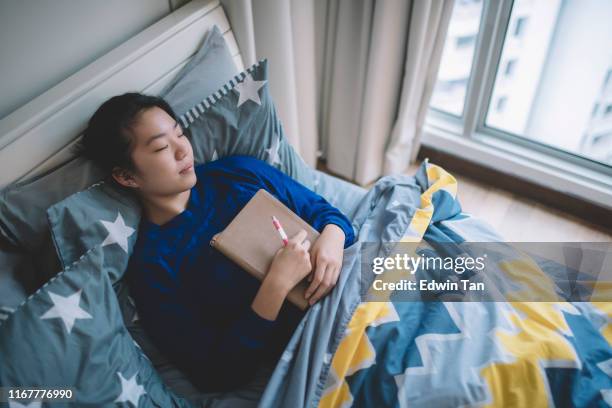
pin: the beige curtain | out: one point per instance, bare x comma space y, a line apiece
350, 78
428, 26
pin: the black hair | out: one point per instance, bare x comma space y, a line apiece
107, 141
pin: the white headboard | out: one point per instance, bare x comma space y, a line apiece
38, 136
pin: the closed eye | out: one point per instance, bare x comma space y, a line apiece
162, 148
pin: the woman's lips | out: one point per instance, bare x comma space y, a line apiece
187, 169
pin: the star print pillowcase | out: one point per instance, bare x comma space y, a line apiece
240, 118
69, 333
99, 215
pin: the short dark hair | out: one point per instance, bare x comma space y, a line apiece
107, 140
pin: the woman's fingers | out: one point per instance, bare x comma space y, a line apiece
317, 277
324, 287
299, 237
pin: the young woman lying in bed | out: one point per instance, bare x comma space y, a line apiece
214, 320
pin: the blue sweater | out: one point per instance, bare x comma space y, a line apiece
192, 300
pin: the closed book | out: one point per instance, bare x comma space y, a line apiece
251, 240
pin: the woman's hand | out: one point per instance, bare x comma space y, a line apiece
290, 265
326, 257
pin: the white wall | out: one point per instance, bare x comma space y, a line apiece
44, 42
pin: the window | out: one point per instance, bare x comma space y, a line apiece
465, 41
519, 26
456, 63
564, 73
608, 80
510, 67
501, 103
521, 99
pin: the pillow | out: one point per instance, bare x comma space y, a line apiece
23, 204
240, 119
210, 67
23, 222
100, 215
11, 291
70, 333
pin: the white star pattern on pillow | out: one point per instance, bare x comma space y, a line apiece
130, 390
66, 308
215, 156
272, 151
118, 232
249, 89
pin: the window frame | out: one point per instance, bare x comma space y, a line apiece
468, 133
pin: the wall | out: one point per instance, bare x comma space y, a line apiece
44, 42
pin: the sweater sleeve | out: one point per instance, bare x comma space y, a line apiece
310, 206
213, 358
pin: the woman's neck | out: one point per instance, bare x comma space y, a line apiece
161, 209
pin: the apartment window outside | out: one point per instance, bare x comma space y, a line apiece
466, 41
501, 103
608, 80
543, 80
565, 63
519, 26
510, 66
457, 56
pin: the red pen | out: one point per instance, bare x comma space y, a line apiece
280, 230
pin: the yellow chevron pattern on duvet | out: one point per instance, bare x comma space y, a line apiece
537, 344
439, 179
355, 350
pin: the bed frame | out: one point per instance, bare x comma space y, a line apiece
38, 136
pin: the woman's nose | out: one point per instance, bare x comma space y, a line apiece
181, 151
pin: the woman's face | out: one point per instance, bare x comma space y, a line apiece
161, 151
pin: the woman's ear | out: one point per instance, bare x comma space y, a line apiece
124, 177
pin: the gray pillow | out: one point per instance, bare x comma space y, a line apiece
240, 119
100, 215
11, 291
70, 333
210, 67
23, 221
23, 204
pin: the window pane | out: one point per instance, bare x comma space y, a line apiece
457, 56
554, 80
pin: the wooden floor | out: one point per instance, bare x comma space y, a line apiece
518, 219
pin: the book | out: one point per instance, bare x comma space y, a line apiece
251, 241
